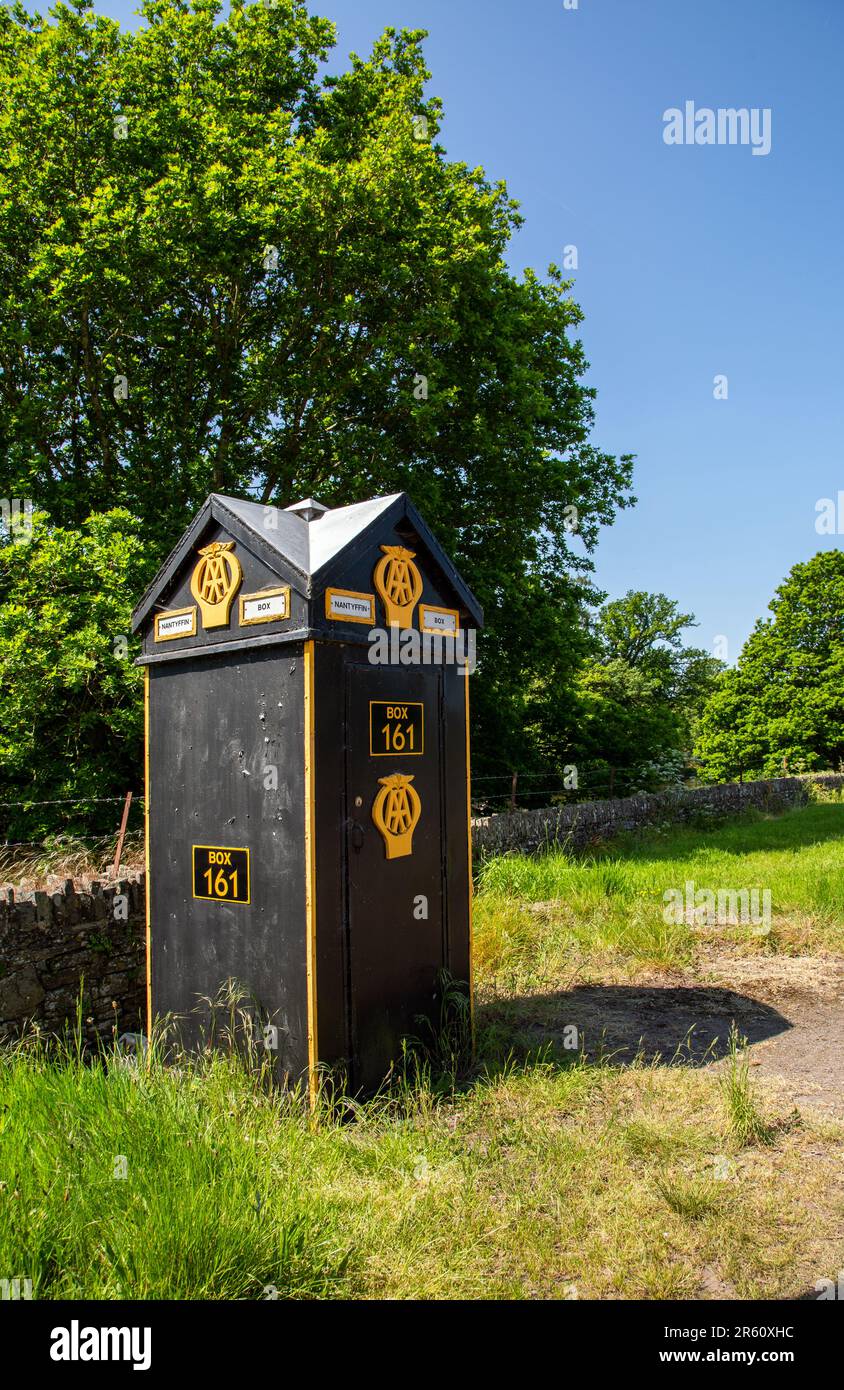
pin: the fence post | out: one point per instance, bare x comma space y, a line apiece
121, 837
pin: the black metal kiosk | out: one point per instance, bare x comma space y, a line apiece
307, 776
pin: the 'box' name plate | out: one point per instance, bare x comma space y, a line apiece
444, 620
265, 607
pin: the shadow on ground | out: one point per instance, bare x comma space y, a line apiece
621, 1023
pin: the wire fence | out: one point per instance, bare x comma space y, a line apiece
491, 791
517, 790
73, 839
73, 801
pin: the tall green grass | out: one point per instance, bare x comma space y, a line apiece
520, 1180
533, 1181
215, 1201
539, 917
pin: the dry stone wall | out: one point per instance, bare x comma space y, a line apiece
91, 937
588, 822
54, 945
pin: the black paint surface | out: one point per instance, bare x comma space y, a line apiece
216, 728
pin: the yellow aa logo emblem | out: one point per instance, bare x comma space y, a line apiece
395, 812
399, 583
215, 581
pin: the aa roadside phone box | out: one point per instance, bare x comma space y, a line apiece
307, 806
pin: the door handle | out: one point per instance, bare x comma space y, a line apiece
357, 835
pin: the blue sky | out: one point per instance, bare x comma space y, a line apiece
694, 261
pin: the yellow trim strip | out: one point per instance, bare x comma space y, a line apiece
146, 853
469, 858
310, 872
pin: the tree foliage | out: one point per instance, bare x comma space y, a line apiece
781, 708
71, 711
642, 629
641, 693
222, 270
629, 733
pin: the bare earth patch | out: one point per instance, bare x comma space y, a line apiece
806, 1061
790, 1009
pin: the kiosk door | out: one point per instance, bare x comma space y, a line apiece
396, 861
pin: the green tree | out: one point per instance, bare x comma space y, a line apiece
646, 631
630, 737
71, 712
781, 708
643, 692
220, 270
642, 629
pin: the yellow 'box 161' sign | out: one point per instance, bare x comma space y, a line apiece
396, 726
221, 873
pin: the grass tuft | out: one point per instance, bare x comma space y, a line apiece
746, 1123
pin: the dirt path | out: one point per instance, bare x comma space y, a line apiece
791, 1010
806, 1061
